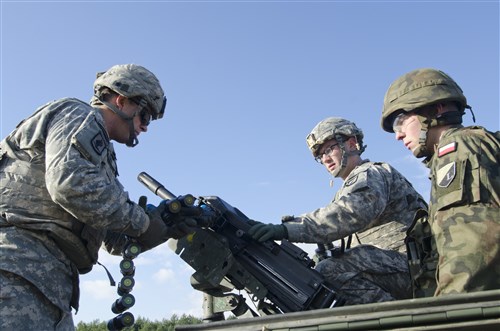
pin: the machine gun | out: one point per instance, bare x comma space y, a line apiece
279, 278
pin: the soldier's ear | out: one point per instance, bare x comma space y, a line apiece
119, 101
352, 143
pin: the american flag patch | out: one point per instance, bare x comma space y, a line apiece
451, 147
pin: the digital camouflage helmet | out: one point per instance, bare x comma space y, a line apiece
133, 82
339, 129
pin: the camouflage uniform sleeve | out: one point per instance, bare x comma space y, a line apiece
81, 173
356, 207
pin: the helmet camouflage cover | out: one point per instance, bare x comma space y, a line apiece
332, 128
419, 88
131, 80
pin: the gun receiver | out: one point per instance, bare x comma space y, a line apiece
223, 252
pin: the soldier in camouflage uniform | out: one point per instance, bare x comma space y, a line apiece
372, 210
424, 108
61, 198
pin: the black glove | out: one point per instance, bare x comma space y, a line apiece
203, 215
207, 216
179, 223
262, 232
252, 222
156, 233
181, 226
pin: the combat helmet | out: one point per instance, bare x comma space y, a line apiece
332, 128
133, 81
414, 92
339, 129
417, 89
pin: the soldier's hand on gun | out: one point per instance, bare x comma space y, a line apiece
203, 215
182, 217
177, 219
262, 232
206, 217
156, 233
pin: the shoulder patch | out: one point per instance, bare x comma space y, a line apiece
351, 181
90, 140
98, 143
446, 174
446, 149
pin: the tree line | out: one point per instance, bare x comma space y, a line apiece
143, 324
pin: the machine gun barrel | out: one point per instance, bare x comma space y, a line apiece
155, 186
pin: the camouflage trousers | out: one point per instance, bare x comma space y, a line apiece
367, 274
469, 249
24, 307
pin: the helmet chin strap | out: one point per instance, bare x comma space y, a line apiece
430, 121
335, 174
132, 140
345, 154
343, 159
425, 124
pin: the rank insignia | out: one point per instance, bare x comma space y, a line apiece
98, 143
448, 148
446, 174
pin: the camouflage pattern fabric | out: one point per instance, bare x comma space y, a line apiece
132, 80
367, 274
419, 88
374, 196
23, 306
376, 204
464, 210
61, 200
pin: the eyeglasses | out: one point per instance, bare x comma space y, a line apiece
145, 116
328, 152
397, 125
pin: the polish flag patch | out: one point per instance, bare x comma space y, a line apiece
451, 147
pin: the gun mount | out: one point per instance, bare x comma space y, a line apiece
279, 277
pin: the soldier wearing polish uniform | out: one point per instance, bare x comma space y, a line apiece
424, 109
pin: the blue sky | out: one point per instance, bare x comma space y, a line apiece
246, 81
